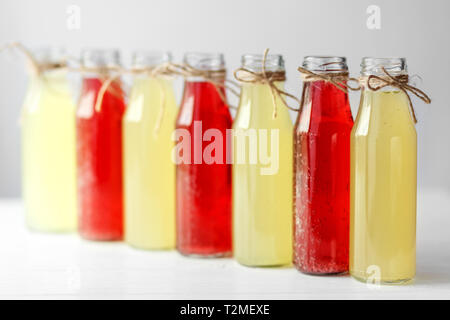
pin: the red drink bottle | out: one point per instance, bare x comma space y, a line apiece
99, 153
322, 173
203, 189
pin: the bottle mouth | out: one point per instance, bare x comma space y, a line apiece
93, 58
325, 64
150, 58
50, 55
254, 62
374, 66
205, 61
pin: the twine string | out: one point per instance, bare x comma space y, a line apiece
215, 77
36, 68
106, 86
116, 72
162, 108
167, 69
401, 82
339, 78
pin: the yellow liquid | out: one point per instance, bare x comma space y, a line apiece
48, 154
383, 189
149, 172
262, 203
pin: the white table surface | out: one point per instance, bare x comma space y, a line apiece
34, 265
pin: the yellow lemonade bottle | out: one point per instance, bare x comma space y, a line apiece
262, 171
48, 149
383, 181
149, 172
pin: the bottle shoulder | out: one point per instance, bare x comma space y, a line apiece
258, 108
44, 97
384, 113
203, 102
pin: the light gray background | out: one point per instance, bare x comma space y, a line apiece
416, 29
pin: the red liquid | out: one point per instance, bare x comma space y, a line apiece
203, 201
99, 163
322, 178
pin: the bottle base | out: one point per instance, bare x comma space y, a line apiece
150, 248
207, 255
268, 266
44, 230
101, 238
261, 264
404, 281
324, 274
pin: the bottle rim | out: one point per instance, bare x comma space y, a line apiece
375, 65
205, 61
325, 64
50, 54
145, 58
92, 58
254, 62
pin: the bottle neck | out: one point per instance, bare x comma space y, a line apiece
199, 86
321, 98
201, 79
54, 80
259, 97
260, 88
203, 94
51, 75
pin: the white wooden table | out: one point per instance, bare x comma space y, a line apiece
34, 265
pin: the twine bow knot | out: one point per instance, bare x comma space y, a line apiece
36, 68
338, 78
400, 82
215, 77
269, 78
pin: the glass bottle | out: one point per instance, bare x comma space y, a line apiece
383, 181
262, 171
149, 172
48, 148
322, 172
99, 150
203, 188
